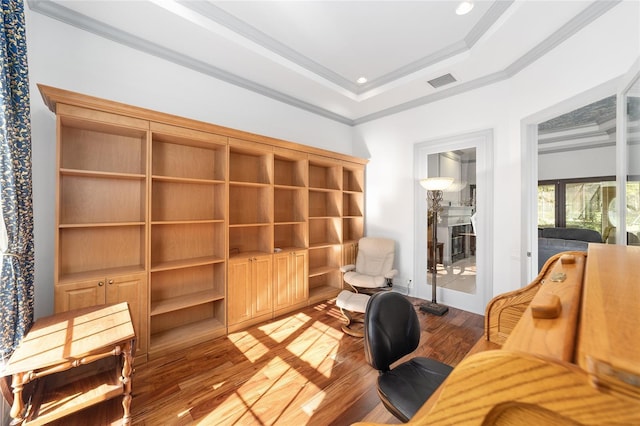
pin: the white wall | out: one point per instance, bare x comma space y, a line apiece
601, 52
66, 57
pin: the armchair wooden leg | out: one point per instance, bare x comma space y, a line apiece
346, 328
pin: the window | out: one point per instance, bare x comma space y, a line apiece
576, 203
588, 203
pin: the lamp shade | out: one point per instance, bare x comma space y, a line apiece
456, 186
436, 183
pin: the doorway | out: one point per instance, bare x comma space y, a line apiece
466, 249
624, 152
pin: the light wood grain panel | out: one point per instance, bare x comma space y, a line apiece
290, 168
101, 148
185, 241
92, 249
187, 161
250, 239
325, 204
250, 204
353, 177
609, 343
289, 205
95, 200
352, 229
182, 282
250, 162
553, 337
505, 310
325, 231
324, 173
290, 236
172, 201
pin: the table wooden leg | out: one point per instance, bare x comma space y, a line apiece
17, 408
127, 368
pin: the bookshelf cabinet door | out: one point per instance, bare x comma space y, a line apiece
81, 294
239, 291
261, 286
133, 290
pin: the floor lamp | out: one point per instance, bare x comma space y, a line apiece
434, 187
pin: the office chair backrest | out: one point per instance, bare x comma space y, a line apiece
391, 329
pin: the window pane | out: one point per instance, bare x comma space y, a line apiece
584, 205
546, 206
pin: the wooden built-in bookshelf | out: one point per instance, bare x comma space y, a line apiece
202, 229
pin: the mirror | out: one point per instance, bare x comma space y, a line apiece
456, 242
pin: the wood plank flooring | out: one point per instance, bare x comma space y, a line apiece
299, 369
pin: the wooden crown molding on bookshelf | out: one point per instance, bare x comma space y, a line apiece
53, 95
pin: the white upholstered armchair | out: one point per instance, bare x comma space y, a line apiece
374, 265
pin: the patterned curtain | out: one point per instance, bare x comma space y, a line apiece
16, 228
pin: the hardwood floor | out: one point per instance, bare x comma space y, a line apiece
299, 369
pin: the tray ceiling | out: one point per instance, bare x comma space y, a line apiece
310, 53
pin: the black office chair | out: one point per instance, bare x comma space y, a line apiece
391, 331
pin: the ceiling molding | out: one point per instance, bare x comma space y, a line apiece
78, 20
238, 26
227, 20
442, 94
68, 16
584, 18
595, 10
487, 21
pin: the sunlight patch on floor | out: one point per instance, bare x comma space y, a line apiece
251, 347
281, 330
258, 398
310, 407
317, 345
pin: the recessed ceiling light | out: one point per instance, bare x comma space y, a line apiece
361, 80
464, 7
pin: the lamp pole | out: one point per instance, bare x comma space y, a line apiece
434, 187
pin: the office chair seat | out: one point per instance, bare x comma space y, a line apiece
407, 387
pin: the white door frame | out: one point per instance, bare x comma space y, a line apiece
482, 141
529, 132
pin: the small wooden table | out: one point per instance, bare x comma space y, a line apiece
52, 349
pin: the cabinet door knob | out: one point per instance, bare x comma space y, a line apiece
110, 282
100, 283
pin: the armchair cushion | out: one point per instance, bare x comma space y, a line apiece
374, 264
367, 281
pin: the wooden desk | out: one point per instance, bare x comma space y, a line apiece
564, 350
55, 346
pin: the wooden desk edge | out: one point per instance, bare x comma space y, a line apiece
480, 346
